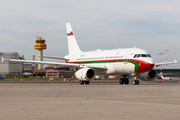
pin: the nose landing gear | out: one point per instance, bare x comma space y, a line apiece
136, 82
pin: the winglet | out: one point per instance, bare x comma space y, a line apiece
175, 61
3, 59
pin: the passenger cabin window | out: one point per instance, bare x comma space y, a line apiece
141, 55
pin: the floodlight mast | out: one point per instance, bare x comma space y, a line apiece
166, 58
161, 61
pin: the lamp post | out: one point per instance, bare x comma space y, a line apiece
161, 61
166, 58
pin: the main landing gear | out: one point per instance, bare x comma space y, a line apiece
125, 80
86, 82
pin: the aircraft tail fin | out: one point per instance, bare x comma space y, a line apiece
73, 46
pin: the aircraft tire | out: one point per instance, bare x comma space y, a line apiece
87, 82
136, 82
126, 81
81, 82
121, 81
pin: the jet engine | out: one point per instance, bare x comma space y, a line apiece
150, 75
85, 74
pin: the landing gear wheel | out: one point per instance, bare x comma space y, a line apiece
81, 82
121, 81
136, 82
87, 82
126, 81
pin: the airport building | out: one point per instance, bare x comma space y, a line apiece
169, 72
11, 68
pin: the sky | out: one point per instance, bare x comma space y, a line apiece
153, 25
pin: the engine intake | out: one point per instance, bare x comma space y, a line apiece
85, 74
150, 75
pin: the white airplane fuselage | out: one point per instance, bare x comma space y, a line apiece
117, 61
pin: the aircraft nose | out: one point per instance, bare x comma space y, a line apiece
145, 66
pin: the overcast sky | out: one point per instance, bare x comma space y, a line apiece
153, 25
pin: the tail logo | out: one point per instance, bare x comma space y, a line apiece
69, 34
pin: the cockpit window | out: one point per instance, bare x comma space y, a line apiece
148, 55
142, 55
135, 55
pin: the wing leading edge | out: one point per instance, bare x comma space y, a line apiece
165, 63
58, 64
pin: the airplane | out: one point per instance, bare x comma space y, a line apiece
27, 73
122, 61
164, 78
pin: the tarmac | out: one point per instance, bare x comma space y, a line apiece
101, 100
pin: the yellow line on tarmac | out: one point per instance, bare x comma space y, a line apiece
143, 81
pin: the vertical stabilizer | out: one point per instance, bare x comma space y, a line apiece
73, 46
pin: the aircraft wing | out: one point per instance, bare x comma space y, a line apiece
55, 58
58, 63
165, 63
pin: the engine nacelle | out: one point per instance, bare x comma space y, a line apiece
150, 75
85, 74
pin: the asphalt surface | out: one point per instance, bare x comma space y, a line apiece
101, 100
116, 81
